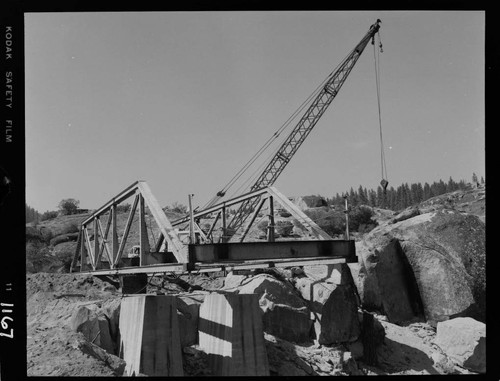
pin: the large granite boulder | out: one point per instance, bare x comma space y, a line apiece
111, 310
94, 325
331, 297
431, 265
463, 340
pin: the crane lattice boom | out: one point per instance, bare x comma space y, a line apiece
294, 140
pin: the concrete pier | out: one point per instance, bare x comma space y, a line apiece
150, 342
230, 332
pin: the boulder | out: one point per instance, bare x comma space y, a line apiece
94, 327
336, 273
285, 314
463, 340
405, 214
114, 362
307, 202
335, 309
432, 264
111, 310
391, 286
232, 281
69, 237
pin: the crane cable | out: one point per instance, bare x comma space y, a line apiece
376, 55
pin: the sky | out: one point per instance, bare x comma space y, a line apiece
182, 100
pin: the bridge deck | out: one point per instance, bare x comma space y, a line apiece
251, 255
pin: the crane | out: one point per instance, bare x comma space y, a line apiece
300, 132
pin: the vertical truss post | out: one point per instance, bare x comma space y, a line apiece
270, 227
224, 227
144, 241
192, 237
77, 252
83, 252
97, 257
114, 237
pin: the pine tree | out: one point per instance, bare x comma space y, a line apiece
32, 215
474, 178
399, 198
380, 198
363, 199
427, 192
420, 192
482, 180
451, 186
353, 198
372, 197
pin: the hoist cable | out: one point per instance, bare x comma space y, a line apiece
376, 55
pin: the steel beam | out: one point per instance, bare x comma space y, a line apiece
235, 252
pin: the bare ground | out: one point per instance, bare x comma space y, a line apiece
54, 349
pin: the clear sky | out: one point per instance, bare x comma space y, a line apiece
183, 99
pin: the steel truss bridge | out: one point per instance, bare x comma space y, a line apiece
101, 245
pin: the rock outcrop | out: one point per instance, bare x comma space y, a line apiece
463, 340
431, 265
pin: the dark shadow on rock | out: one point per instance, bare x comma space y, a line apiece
398, 357
411, 283
474, 311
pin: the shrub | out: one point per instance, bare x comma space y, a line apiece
46, 234
33, 234
123, 208
332, 222
48, 215
178, 208
37, 255
360, 218
68, 206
